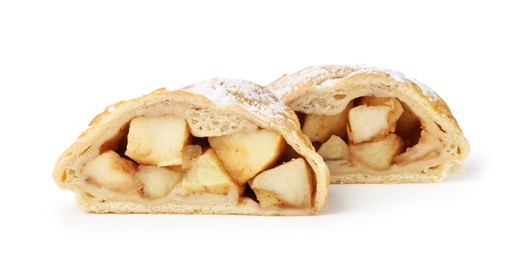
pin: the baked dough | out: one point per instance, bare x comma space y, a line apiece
397, 129
215, 147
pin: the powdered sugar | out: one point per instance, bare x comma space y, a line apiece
294, 80
328, 83
330, 75
368, 69
110, 108
256, 99
430, 93
213, 91
325, 74
359, 69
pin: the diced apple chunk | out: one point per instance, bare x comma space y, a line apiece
268, 198
190, 154
395, 105
287, 185
378, 154
335, 148
113, 172
208, 176
368, 122
426, 145
157, 140
245, 154
158, 182
320, 127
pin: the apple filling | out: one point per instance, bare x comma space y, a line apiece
373, 134
157, 158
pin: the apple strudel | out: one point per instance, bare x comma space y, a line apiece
215, 147
374, 126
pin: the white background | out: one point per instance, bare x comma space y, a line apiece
62, 62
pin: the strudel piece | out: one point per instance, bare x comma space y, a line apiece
215, 147
397, 129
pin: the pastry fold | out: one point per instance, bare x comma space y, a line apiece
215, 147
373, 125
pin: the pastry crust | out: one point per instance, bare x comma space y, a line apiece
211, 108
327, 90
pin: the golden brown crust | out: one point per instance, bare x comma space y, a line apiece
222, 111
328, 89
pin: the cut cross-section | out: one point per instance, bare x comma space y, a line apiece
245, 154
378, 154
208, 176
427, 144
320, 128
157, 141
395, 105
335, 148
287, 185
112, 172
408, 127
158, 182
367, 122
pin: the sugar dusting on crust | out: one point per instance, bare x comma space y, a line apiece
254, 98
325, 74
359, 69
110, 108
374, 70
328, 83
430, 93
293, 81
327, 77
